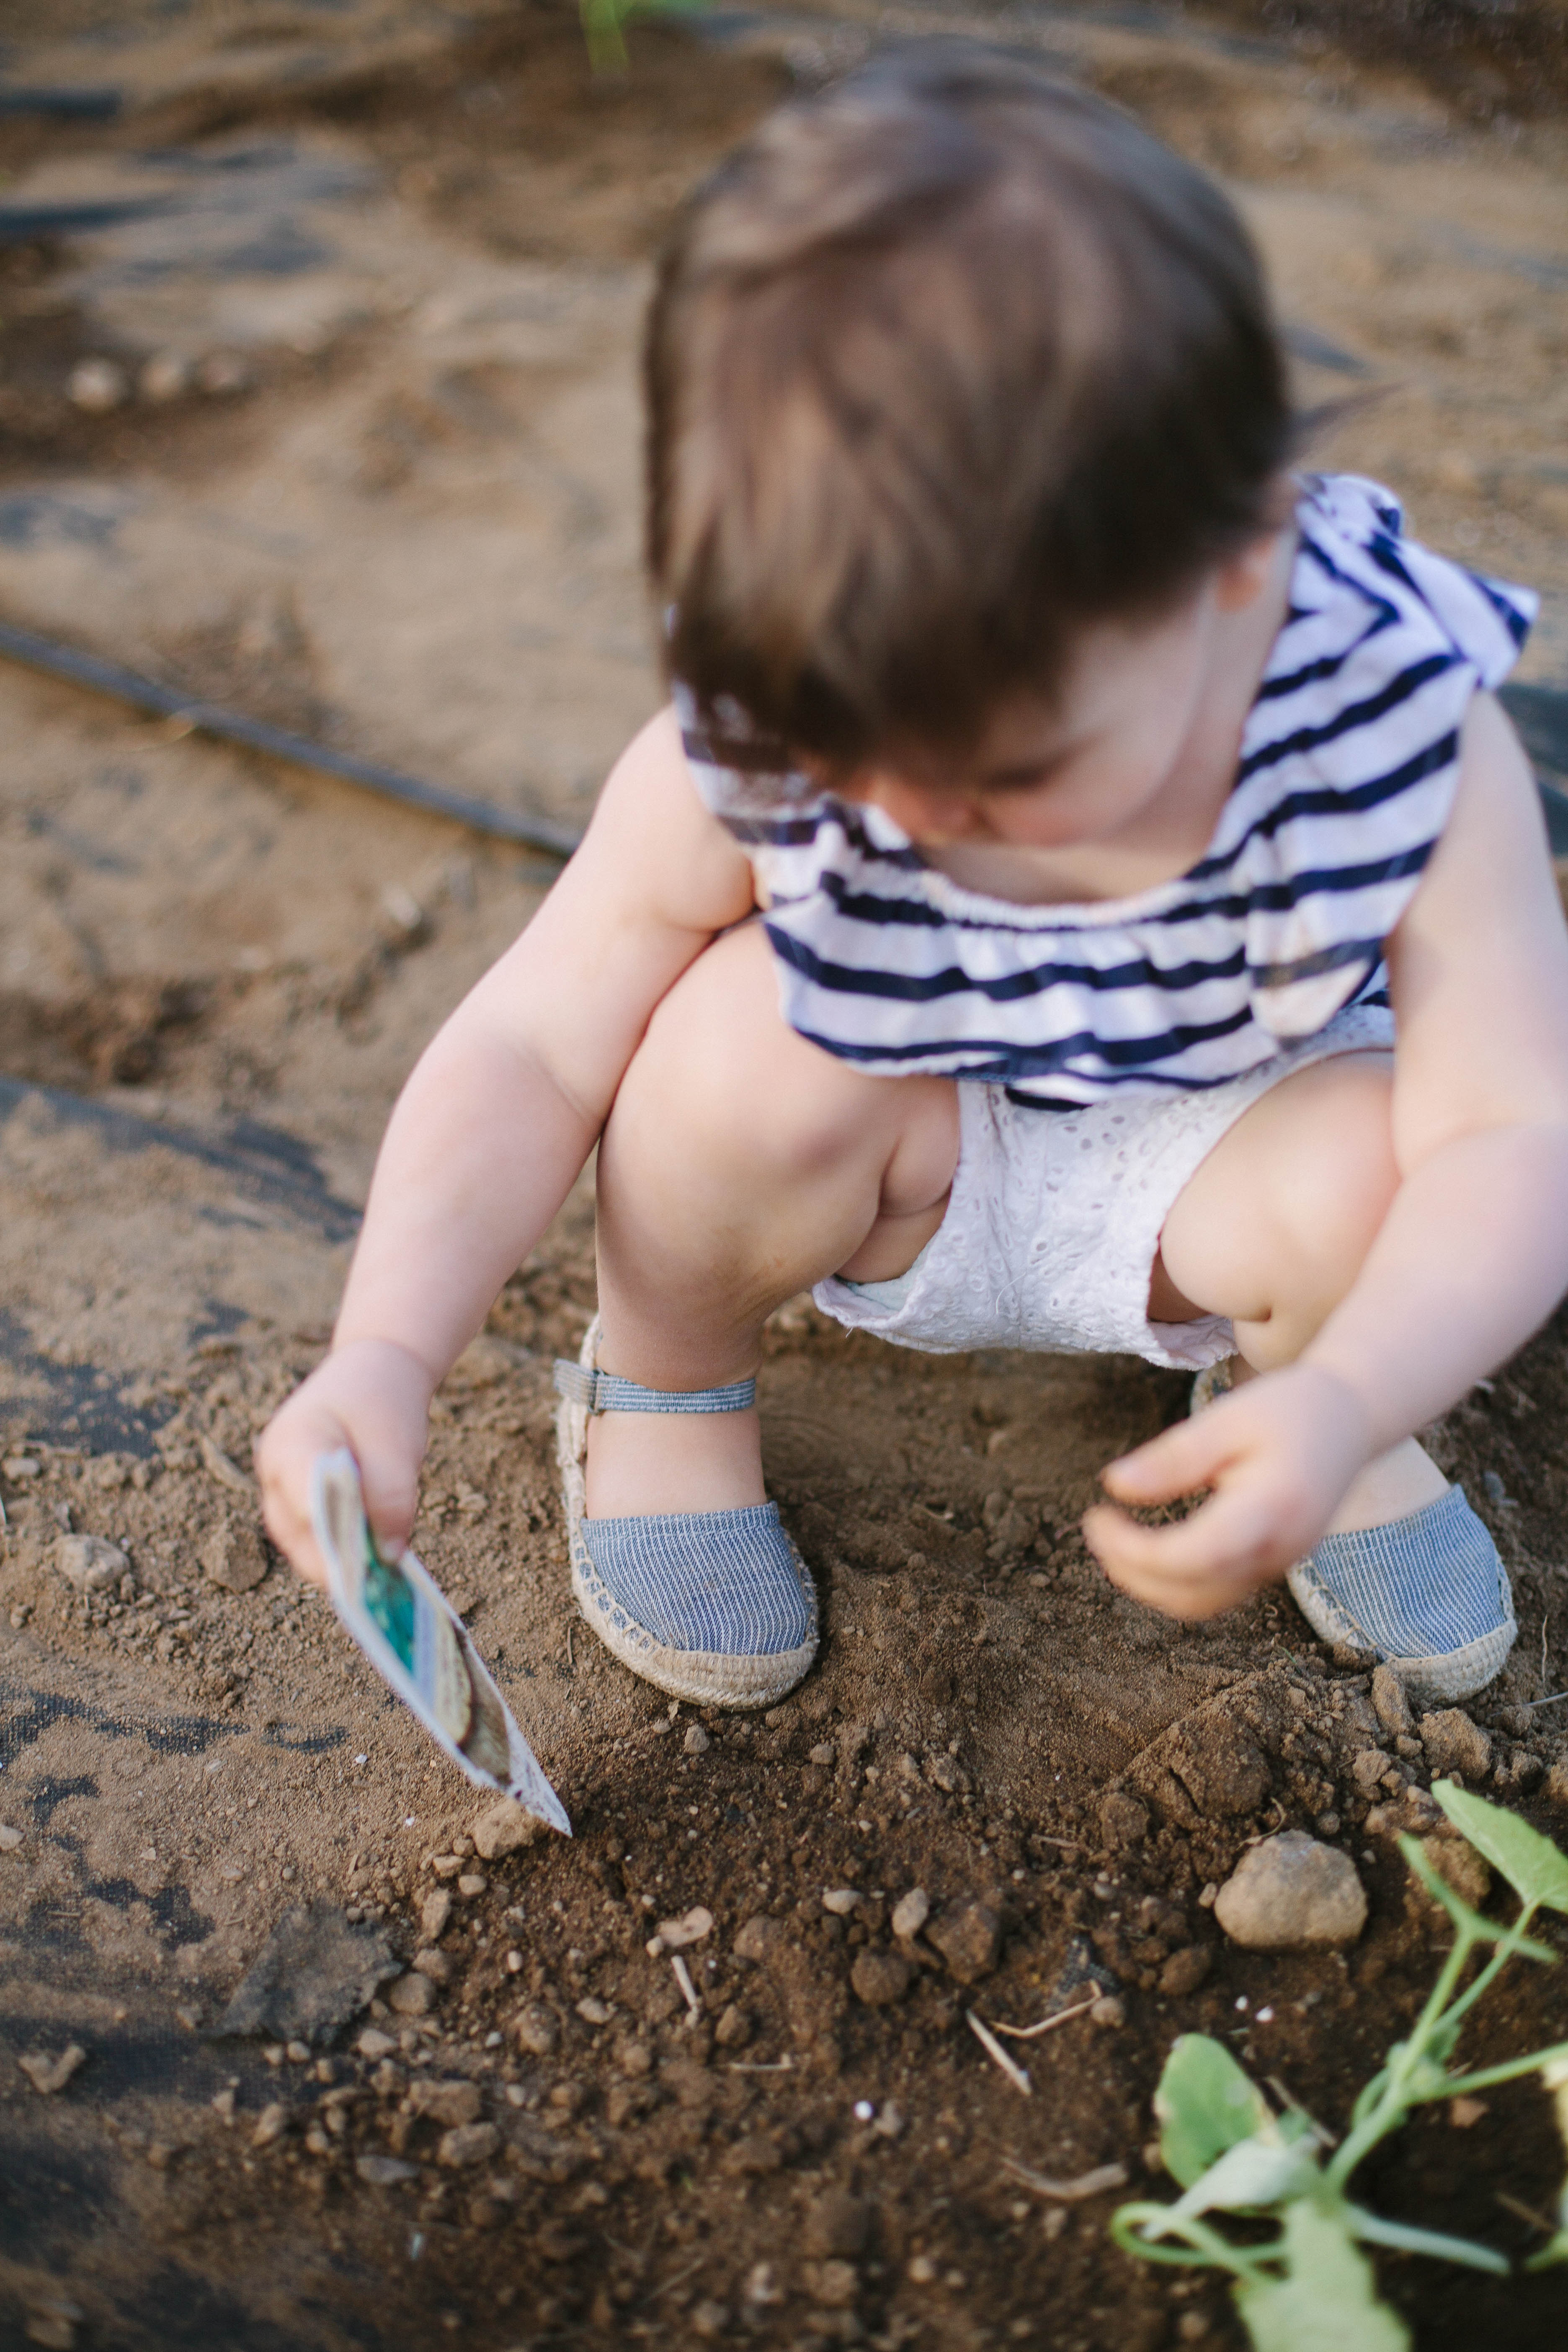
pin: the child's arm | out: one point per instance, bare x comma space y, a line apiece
1473, 1254
494, 1124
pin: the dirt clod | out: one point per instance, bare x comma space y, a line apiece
1456, 1744
1289, 1893
969, 1937
234, 1555
49, 2075
503, 1828
1391, 1703
314, 1973
1185, 1970
469, 2144
879, 1978
89, 1562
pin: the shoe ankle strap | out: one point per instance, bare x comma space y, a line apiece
607, 1392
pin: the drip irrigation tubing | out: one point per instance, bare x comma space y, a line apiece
255, 735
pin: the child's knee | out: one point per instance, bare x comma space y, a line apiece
1335, 1178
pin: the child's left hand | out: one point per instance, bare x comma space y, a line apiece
1278, 1454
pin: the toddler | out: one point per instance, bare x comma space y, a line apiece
1081, 894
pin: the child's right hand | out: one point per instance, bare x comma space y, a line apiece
374, 1396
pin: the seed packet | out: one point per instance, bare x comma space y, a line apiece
418, 1643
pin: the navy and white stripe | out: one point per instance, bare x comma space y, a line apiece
1348, 764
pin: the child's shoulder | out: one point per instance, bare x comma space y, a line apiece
1393, 595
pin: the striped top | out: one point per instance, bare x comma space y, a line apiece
1348, 764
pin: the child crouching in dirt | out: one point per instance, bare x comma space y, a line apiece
1083, 895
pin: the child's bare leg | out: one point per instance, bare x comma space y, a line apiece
1272, 1230
739, 1165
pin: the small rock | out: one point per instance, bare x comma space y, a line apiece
234, 1557
1109, 2010
1516, 1772
163, 377
469, 2143
89, 1562
1458, 1865
634, 2059
19, 1466
10, 1839
824, 1752
450, 2103
759, 1938
881, 1978
969, 1938
1454, 1744
1391, 1703
834, 2285
841, 1900
503, 1828
472, 1885
384, 2171
1555, 1790
733, 2030
49, 2075
271, 2125
97, 385
373, 2043
433, 1962
924, 2272
910, 1912
1123, 1821
709, 2319
595, 2012
1289, 1893
536, 2031
836, 2224
696, 1742
1184, 1971
1465, 2113
434, 1914
675, 1934
412, 1996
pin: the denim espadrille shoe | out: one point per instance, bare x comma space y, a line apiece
1428, 1593
715, 1607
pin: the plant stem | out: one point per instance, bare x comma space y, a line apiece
1391, 2107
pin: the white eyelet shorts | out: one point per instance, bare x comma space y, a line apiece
1055, 1219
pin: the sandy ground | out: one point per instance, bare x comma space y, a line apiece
383, 269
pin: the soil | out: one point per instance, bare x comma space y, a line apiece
408, 527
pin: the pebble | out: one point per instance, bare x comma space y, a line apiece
1123, 1821
450, 2103
675, 1935
271, 2125
833, 2284
1454, 1744
19, 1466
709, 2319
433, 1962
696, 1742
595, 2012
824, 1752
412, 1996
503, 1828
164, 376
758, 1938
49, 2075
10, 1839
471, 1885
733, 2030
841, 1900
384, 2171
373, 2043
97, 385
433, 1913
469, 2144
1291, 1894
969, 1937
1184, 1971
234, 1557
1108, 2011
536, 2031
89, 1562
910, 1912
881, 1978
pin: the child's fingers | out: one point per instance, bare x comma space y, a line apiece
391, 1490
1185, 1456
1198, 1566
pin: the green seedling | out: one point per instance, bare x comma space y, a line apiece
1304, 2286
604, 23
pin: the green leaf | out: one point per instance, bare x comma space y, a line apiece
1327, 2300
1532, 1866
1205, 2104
1549, 2255
1469, 1923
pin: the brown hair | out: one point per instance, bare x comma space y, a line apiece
942, 364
